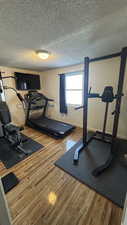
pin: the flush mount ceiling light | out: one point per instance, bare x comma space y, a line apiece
43, 54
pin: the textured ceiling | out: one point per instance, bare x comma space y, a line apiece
70, 29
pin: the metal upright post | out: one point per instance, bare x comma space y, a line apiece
85, 98
105, 119
119, 95
85, 109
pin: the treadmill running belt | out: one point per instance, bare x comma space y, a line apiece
53, 125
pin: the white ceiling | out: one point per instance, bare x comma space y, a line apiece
69, 29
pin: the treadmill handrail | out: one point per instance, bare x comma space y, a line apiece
31, 99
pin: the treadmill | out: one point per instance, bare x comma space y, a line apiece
36, 102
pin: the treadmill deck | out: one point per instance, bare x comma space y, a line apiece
51, 125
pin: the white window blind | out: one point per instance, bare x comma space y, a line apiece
74, 87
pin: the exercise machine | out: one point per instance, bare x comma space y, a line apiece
10, 131
36, 101
106, 97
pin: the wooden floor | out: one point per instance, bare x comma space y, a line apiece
48, 196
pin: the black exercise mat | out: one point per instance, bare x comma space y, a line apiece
10, 157
9, 181
112, 183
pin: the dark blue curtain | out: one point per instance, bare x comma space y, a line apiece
62, 93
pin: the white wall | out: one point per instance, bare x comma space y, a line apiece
102, 74
124, 217
15, 106
5, 217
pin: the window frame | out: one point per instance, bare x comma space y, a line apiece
74, 74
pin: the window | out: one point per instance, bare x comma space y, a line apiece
74, 88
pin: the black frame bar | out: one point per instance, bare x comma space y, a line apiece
7, 77
85, 99
119, 95
105, 57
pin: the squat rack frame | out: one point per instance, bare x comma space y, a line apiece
87, 61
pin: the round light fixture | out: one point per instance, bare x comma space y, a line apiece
43, 54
